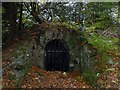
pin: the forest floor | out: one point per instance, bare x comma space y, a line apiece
110, 77
38, 78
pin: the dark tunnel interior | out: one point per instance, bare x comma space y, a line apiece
56, 56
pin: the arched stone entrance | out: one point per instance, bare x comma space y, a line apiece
48, 35
56, 56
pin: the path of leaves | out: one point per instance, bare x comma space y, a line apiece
110, 78
38, 78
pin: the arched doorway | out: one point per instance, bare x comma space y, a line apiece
56, 56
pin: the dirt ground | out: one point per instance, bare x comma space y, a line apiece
38, 78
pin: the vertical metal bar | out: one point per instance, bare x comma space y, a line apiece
60, 57
54, 55
62, 54
50, 58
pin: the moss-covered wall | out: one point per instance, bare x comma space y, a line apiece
72, 38
32, 51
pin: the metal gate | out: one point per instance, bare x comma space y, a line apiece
56, 56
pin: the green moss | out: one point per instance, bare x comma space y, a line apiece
73, 26
103, 44
40, 74
90, 77
12, 76
21, 49
26, 64
78, 78
22, 74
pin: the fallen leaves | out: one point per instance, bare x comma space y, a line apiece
53, 79
109, 78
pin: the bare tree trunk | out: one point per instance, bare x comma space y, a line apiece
34, 12
12, 19
20, 19
10, 15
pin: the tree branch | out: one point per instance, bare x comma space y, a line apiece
34, 14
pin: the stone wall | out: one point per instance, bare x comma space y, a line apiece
72, 39
32, 51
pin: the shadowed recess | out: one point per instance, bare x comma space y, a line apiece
56, 56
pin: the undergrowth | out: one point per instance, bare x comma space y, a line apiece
40, 74
103, 44
91, 77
